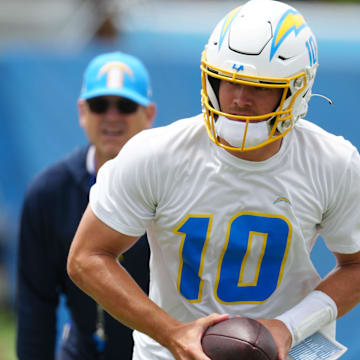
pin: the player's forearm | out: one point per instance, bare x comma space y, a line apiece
343, 286
337, 294
102, 278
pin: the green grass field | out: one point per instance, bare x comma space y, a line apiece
7, 335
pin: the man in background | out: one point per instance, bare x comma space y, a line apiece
114, 105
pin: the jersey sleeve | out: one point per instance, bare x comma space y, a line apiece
340, 226
125, 193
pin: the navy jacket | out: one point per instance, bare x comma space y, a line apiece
53, 207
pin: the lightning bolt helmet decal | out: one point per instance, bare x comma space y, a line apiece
227, 23
291, 21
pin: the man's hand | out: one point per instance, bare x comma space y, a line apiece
281, 335
184, 340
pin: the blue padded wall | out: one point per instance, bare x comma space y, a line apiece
39, 89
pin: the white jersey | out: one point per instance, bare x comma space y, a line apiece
229, 235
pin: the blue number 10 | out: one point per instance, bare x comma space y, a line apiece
251, 264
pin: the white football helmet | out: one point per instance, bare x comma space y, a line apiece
261, 43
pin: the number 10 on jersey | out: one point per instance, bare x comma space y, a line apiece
251, 263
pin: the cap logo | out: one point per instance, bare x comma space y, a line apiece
115, 72
291, 21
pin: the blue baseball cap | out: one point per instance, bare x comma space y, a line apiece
117, 74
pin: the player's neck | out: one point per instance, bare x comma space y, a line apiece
262, 154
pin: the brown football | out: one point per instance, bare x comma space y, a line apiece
239, 338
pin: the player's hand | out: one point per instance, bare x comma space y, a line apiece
281, 335
185, 338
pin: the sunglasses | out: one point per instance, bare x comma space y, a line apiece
100, 105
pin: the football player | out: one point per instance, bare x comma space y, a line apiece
232, 201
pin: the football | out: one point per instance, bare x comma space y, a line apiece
239, 338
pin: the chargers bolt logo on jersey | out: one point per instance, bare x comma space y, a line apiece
291, 21
282, 199
115, 71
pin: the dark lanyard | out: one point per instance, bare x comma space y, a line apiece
99, 336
